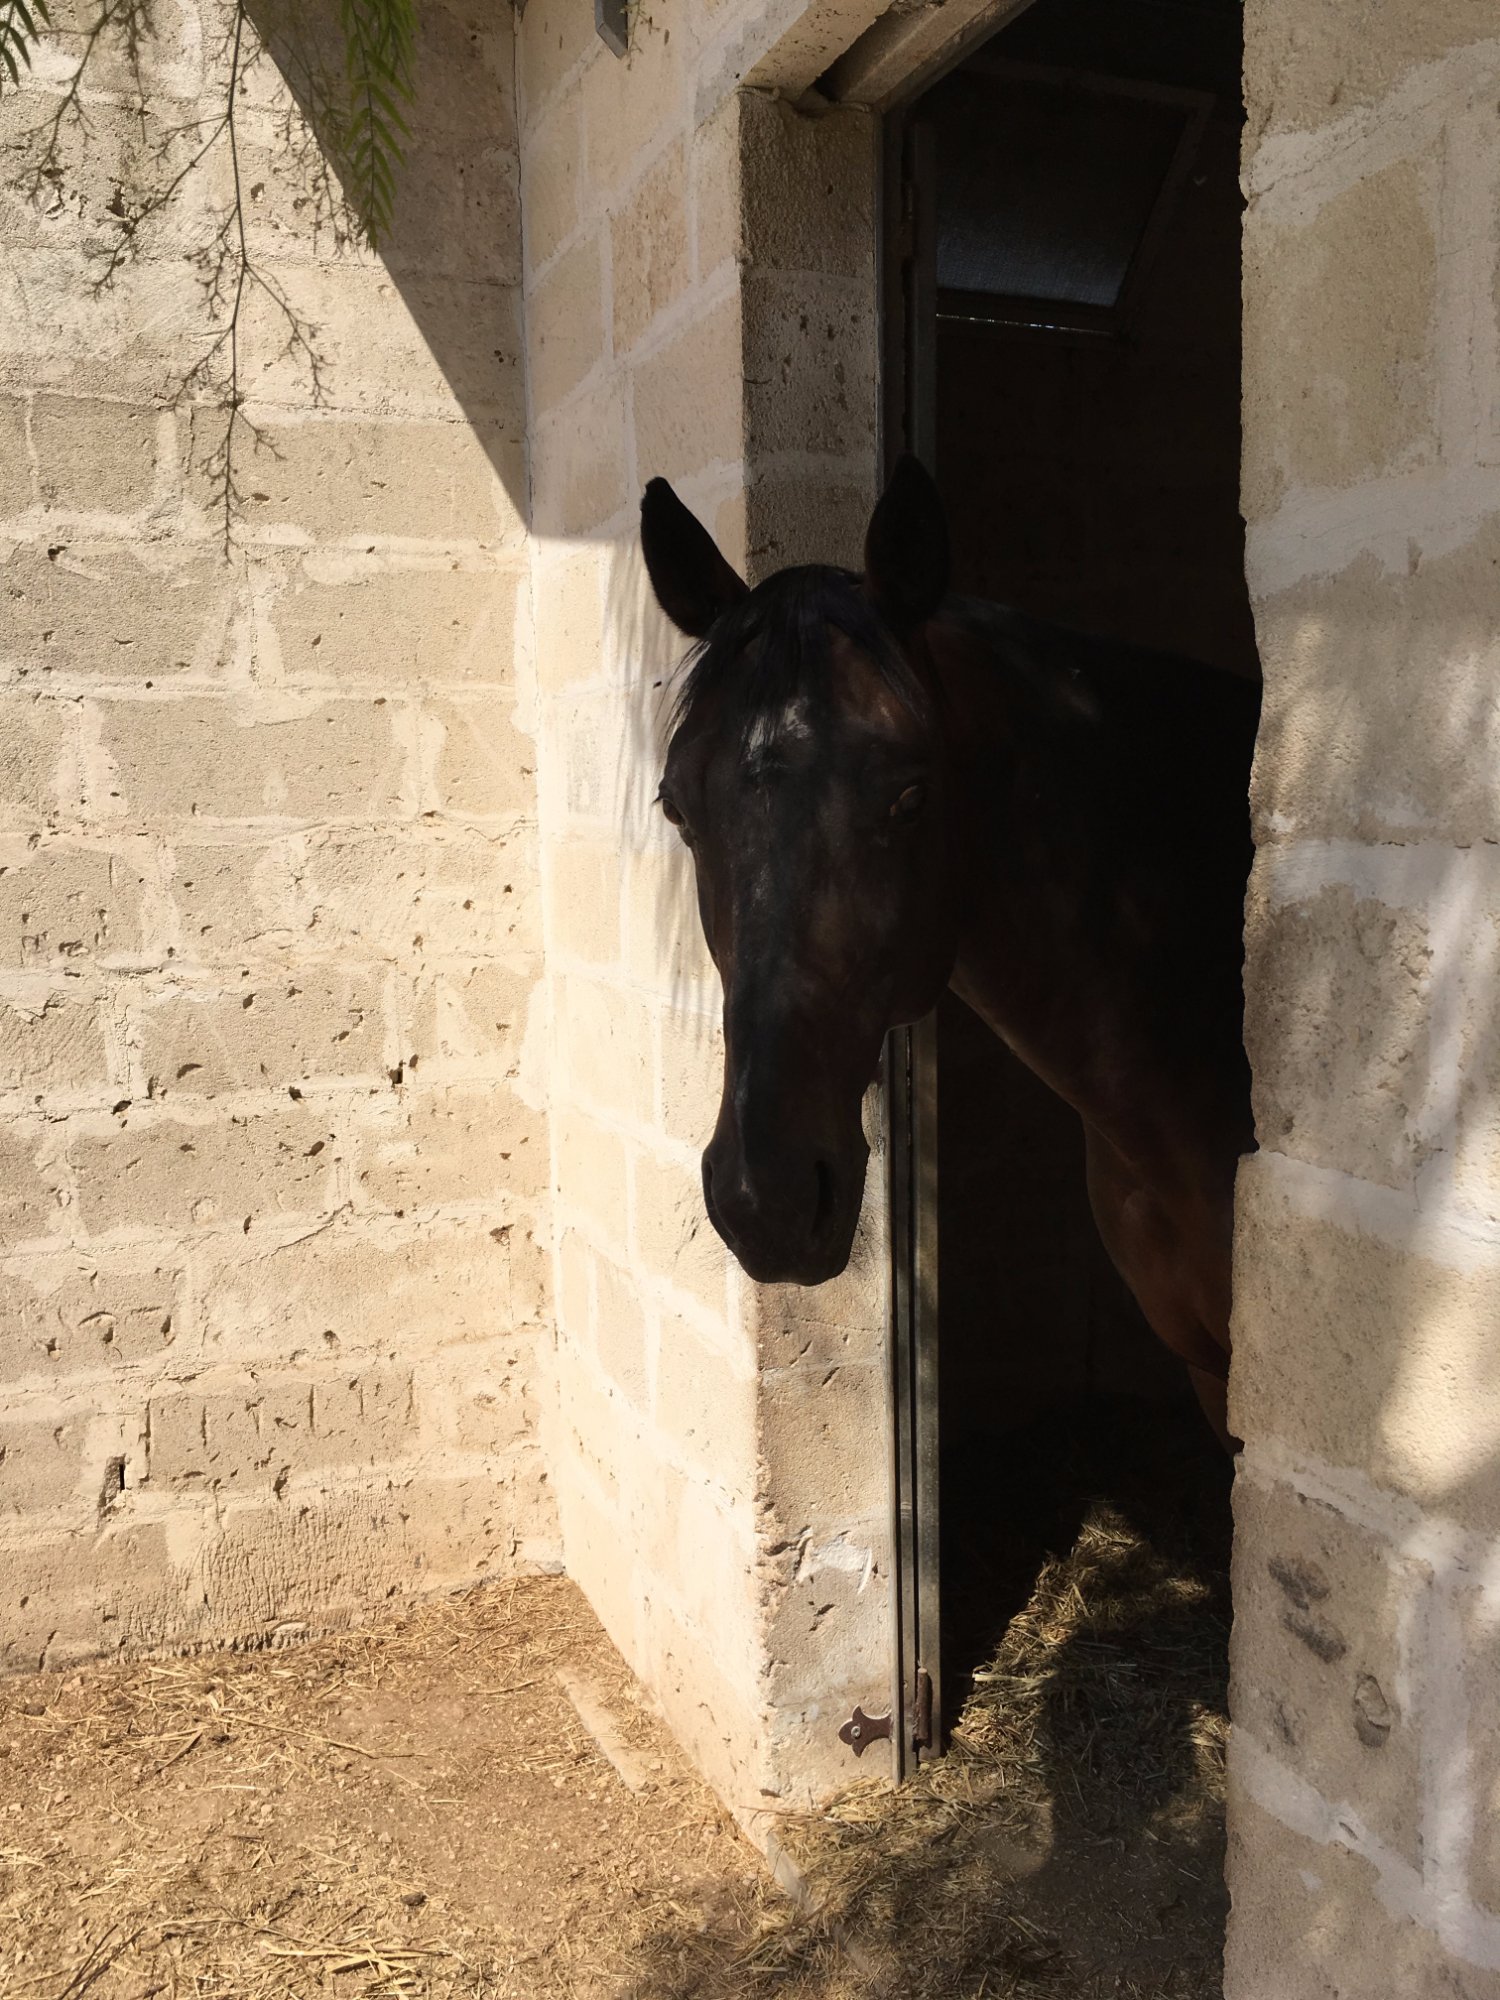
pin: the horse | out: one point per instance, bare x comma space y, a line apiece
888, 789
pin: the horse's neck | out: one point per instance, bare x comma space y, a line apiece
1070, 948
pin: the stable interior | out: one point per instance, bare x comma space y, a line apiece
1087, 439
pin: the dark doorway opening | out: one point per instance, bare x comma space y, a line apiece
1065, 296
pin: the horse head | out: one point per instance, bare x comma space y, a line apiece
805, 774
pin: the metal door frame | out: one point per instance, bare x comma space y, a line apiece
908, 288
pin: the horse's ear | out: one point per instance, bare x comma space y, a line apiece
692, 581
906, 548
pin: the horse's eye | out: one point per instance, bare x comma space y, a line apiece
673, 817
909, 804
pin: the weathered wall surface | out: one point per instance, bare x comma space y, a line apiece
700, 300
1366, 1793
272, 1168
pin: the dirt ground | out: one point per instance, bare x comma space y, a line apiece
472, 1800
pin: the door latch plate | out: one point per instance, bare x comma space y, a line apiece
861, 1730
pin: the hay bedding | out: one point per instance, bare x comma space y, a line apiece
417, 1811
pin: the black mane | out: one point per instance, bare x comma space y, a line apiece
773, 646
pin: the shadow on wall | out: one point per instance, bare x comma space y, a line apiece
433, 318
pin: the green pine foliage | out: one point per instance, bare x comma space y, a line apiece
20, 27
379, 44
379, 38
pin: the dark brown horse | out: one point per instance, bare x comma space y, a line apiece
888, 789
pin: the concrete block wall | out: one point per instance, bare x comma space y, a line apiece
1366, 1381
274, 1235
700, 300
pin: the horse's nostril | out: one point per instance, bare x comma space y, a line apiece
825, 1196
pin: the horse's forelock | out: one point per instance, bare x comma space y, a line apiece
770, 654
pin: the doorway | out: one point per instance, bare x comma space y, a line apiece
1063, 325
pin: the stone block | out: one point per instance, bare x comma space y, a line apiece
589, 738
1476, 1642
1309, 67
809, 188
710, 1702
126, 145
791, 1327
17, 485
591, 1171
142, 1170
350, 1290
475, 1142
264, 1033
445, 891
84, 607
38, 756
457, 208
69, 905
706, 1406
251, 1436
1365, 1353
553, 40
252, 756
1321, 1676
791, 520
628, 105
1337, 999
1415, 756
363, 1417
346, 621
715, 167
176, 63
550, 167
605, 1039
692, 1075
468, 1023
484, 766
684, 421
41, 1463
824, 1440
73, 1596
1339, 340
665, 948
33, 1181
1311, 1922
586, 900
478, 1396
575, 1288
599, 1428
827, 1638
271, 1564
565, 323
620, 1337
596, 1551
432, 347
650, 248
386, 896
569, 601
810, 348
74, 1315
578, 463
94, 457
53, 1040
703, 1553
671, 1233
331, 480
136, 340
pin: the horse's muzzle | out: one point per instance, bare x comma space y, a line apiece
790, 1221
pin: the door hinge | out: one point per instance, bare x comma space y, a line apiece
861, 1730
